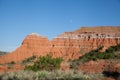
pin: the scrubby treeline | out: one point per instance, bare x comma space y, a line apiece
45, 63
111, 53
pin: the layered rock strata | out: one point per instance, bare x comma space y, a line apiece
69, 45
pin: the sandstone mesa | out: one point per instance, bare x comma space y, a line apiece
69, 45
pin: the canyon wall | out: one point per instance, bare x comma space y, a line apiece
69, 45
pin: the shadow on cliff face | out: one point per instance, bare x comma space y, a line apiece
115, 75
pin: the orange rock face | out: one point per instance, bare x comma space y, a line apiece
15, 67
69, 45
100, 66
94, 66
65, 66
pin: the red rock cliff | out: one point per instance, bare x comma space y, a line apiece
69, 45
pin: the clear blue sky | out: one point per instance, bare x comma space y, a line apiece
52, 17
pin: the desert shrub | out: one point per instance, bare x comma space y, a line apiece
72, 75
96, 54
30, 59
12, 62
45, 63
112, 71
113, 49
115, 75
49, 75
20, 75
42, 74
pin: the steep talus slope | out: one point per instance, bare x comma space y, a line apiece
69, 45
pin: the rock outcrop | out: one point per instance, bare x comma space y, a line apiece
69, 45
15, 67
101, 66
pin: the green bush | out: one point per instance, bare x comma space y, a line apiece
45, 63
30, 59
113, 49
12, 62
112, 71
96, 54
92, 55
110, 53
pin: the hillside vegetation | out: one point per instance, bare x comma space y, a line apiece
48, 68
112, 52
45, 63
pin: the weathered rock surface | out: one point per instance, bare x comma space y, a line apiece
95, 66
15, 67
69, 45
65, 66
101, 66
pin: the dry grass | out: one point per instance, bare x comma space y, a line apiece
43, 75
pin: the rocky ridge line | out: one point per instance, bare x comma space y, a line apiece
69, 45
